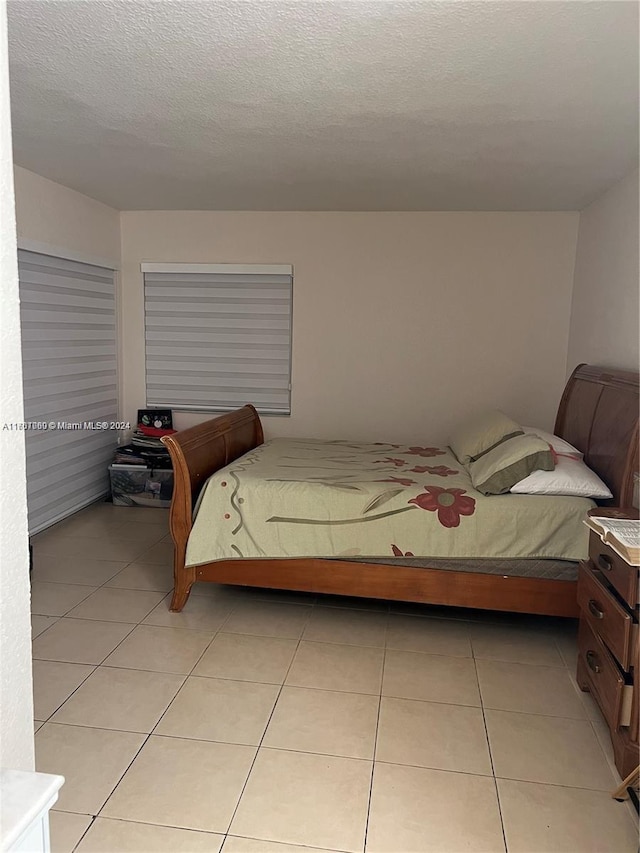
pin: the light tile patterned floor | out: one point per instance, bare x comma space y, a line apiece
273, 722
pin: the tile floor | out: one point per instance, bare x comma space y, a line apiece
259, 722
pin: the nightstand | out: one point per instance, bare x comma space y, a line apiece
608, 645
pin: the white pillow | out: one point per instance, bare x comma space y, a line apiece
557, 443
570, 477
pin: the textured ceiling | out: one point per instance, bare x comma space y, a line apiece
326, 104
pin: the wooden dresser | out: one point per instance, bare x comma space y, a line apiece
609, 656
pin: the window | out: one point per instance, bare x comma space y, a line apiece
67, 312
218, 336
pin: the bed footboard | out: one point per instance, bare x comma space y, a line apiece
196, 454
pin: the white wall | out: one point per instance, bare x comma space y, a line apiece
16, 701
605, 307
403, 322
60, 220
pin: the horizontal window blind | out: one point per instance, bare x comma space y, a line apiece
218, 336
70, 380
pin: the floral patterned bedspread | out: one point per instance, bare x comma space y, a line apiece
309, 498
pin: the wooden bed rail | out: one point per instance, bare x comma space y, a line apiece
196, 453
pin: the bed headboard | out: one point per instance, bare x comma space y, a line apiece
598, 414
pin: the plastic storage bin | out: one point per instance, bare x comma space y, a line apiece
136, 486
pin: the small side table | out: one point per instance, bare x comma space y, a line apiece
609, 640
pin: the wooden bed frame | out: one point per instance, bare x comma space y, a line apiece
598, 414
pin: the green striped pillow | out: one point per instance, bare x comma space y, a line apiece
513, 460
482, 433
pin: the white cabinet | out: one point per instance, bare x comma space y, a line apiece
25, 800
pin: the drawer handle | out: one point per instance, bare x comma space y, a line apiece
604, 562
595, 610
592, 657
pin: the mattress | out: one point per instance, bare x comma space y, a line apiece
308, 498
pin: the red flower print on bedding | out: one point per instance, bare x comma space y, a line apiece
425, 451
450, 504
404, 481
389, 461
438, 470
398, 553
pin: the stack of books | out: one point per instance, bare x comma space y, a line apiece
621, 534
141, 440
142, 457
146, 450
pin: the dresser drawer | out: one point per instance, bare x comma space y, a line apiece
605, 615
598, 669
618, 573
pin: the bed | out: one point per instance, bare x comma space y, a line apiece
598, 414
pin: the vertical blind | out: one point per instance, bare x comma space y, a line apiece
70, 383
218, 336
